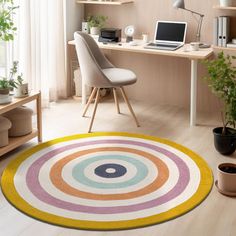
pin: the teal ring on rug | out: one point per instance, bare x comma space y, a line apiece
78, 172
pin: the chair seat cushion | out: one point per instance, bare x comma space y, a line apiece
120, 77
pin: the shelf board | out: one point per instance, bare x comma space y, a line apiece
119, 2
224, 8
17, 141
223, 48
16, 102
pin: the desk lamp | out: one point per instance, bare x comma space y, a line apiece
180, 4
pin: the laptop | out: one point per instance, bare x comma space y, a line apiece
169, 35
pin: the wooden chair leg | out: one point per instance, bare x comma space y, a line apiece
129, 106
95, 109
89, 101
116, 100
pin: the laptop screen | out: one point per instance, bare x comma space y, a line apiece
170, 31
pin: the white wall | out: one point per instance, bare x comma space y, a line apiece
74, 17
73, 22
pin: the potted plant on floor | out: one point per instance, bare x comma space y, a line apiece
222, 81
95, 23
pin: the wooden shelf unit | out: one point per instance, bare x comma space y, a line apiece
224, 8
232, 8
117, 2
223, 48
18, 141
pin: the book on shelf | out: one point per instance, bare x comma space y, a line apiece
225, 30
221, 31
215, 31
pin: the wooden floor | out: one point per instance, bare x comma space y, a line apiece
216, 216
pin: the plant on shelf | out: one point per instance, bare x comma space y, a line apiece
8, 84
13, 72
13, 81
222, 81
20, 88
96, 22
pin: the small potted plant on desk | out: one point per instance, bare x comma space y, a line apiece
95, 23
222, 81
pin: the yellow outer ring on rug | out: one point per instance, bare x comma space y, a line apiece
8, 188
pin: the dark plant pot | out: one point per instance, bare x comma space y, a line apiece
225, 143
4, 91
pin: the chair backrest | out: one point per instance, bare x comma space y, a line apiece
91, 60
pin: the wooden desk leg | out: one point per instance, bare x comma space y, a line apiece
39, 117
193, 104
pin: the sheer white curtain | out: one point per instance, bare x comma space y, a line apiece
40, 47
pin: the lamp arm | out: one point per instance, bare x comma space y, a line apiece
198, 35
197, 13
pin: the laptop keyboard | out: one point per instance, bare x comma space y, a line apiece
163, 45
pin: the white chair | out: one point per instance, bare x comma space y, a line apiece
97, 72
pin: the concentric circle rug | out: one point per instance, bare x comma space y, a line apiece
107, 181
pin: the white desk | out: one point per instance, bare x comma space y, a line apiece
194, 56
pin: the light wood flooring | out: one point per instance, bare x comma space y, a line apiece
216, 216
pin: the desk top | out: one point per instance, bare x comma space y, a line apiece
181, 52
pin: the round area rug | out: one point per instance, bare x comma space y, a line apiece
106, 181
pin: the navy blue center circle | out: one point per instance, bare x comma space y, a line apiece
110, 170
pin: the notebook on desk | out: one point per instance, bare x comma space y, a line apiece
169, 35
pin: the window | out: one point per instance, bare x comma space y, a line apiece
3, 59
6, 57
8, 30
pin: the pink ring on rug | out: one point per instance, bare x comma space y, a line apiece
35, 187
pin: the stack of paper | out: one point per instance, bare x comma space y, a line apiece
231, 45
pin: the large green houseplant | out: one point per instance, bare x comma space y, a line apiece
222, 81
7, 27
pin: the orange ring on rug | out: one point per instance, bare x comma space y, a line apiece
58, 181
